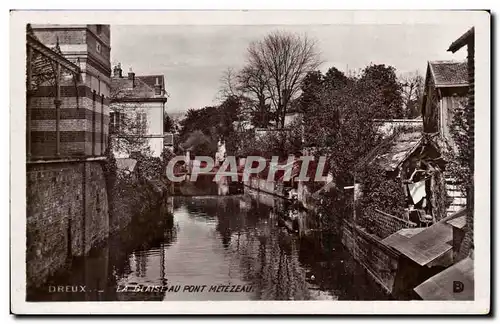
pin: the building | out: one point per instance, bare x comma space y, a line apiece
137, 113
388, 126
437, 287
467, 40
449, 242
69, 113
445, 86
67, 116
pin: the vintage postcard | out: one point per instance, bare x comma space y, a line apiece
250, 162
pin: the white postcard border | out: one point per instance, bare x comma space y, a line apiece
479, 19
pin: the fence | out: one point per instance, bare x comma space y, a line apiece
383, 224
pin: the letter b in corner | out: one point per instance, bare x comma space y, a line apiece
458, 286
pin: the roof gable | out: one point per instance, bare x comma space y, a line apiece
123, 88
152, 80
392, 151
449, 73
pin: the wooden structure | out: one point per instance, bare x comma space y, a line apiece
46, 67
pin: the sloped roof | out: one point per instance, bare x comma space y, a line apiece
449, 73
466, 38
122, 88
151, 80
440, 286
425, 246
390, 154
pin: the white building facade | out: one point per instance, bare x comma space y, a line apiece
137, 113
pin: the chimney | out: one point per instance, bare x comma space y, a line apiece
157, 87
131, 76
117, 71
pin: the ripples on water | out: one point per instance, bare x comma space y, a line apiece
210, 240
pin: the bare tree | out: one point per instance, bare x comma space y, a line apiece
249, 86
285, 59
413, 88
229, 84
253, 82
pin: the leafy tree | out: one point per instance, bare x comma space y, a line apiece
380, 83
335, 79
199, 144
339, 125
311, 87
215, 123
169, 125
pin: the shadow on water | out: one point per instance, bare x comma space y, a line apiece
218, 240
205, 185
102, 269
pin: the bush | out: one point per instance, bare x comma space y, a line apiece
381, 192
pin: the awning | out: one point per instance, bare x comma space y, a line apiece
458, 222
454, 283
392, 152
425, 246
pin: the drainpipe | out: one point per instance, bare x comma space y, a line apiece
57, 103
28, 101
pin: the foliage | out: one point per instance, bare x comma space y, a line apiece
128, 123
380, 192
169, 125
380, 83
110, 170
128, 135
166, 156
460, 157
335, 205
201, 129
199, 144
338, 122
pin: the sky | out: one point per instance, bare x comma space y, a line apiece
194, 58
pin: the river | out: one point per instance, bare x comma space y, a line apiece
230, 247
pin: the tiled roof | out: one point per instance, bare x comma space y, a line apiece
394, 150
441, 286
423, 247
122, 88
449, 73
151, 80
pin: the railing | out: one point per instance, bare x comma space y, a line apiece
383, 224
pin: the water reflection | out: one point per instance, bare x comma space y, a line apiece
231, 240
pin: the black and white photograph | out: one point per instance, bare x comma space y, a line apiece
335, 157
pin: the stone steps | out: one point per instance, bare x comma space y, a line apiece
453, 191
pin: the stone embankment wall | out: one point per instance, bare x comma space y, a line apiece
67, 214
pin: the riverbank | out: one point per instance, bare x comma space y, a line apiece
75, 205
386, 266
217, 241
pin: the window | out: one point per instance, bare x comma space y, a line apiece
98, 47
142, 119
114, 122
99, 29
